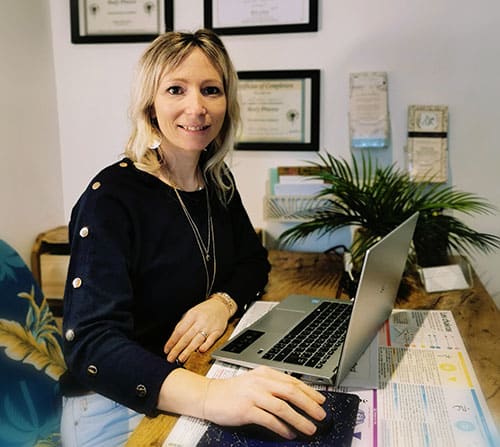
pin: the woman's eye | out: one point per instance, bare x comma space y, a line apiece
212, 91
174, 90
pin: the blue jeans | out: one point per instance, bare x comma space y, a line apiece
96, 421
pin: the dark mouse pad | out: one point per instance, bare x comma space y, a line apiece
337, 431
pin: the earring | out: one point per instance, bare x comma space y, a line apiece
154, 145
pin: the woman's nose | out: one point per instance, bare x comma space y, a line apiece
196, 104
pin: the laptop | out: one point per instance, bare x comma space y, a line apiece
341, 329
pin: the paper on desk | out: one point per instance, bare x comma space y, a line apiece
428, 390
444, 277
421, 329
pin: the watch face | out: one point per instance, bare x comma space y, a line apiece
428, 120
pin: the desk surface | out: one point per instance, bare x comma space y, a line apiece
475, 313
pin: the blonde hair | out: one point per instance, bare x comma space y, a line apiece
167, 52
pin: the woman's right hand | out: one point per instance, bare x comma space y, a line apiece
262, 396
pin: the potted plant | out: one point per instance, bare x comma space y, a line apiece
376, 199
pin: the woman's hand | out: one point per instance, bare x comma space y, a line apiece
259, 396
200, 327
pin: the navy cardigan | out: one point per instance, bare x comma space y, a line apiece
135, 269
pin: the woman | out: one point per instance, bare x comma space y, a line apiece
163, 254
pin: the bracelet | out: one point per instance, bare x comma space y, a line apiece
228, 301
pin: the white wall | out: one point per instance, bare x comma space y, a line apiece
443, 52
30, 165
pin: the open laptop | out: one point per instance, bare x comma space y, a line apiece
276, 338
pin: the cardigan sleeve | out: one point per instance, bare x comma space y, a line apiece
98, 324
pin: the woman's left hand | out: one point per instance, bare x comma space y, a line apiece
200, 327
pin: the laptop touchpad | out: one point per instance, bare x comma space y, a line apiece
279, 320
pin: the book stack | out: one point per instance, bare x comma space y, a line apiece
295, 181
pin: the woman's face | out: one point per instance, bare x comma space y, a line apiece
190, 104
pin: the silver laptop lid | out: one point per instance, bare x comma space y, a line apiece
383, 267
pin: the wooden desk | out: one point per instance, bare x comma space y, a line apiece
476, 315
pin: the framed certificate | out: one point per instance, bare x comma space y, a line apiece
428, 143
279, 110
261, 16
368, 110
115, 21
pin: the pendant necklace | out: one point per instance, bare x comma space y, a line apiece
205, 249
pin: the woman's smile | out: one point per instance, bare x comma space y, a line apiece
193, 128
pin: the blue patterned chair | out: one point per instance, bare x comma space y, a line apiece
31, 359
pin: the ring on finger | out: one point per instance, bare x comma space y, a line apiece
204, 334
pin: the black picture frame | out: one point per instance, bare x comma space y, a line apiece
79, 36
310, 119
310, 26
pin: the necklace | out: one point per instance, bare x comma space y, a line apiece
204, 248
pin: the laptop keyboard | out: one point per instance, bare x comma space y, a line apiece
313, 341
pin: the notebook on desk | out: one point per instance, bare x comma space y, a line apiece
341, 329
